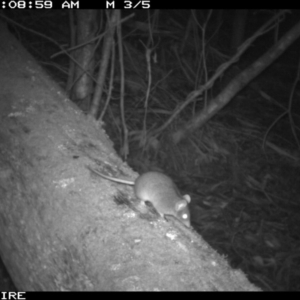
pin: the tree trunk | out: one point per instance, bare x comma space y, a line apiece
86, 28
60, 228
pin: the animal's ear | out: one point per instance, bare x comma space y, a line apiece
180, 205
187, 198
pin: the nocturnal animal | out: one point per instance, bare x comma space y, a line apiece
161, 191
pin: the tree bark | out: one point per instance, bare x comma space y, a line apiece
60, 228
84, 56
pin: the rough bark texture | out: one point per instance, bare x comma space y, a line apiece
60, 228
